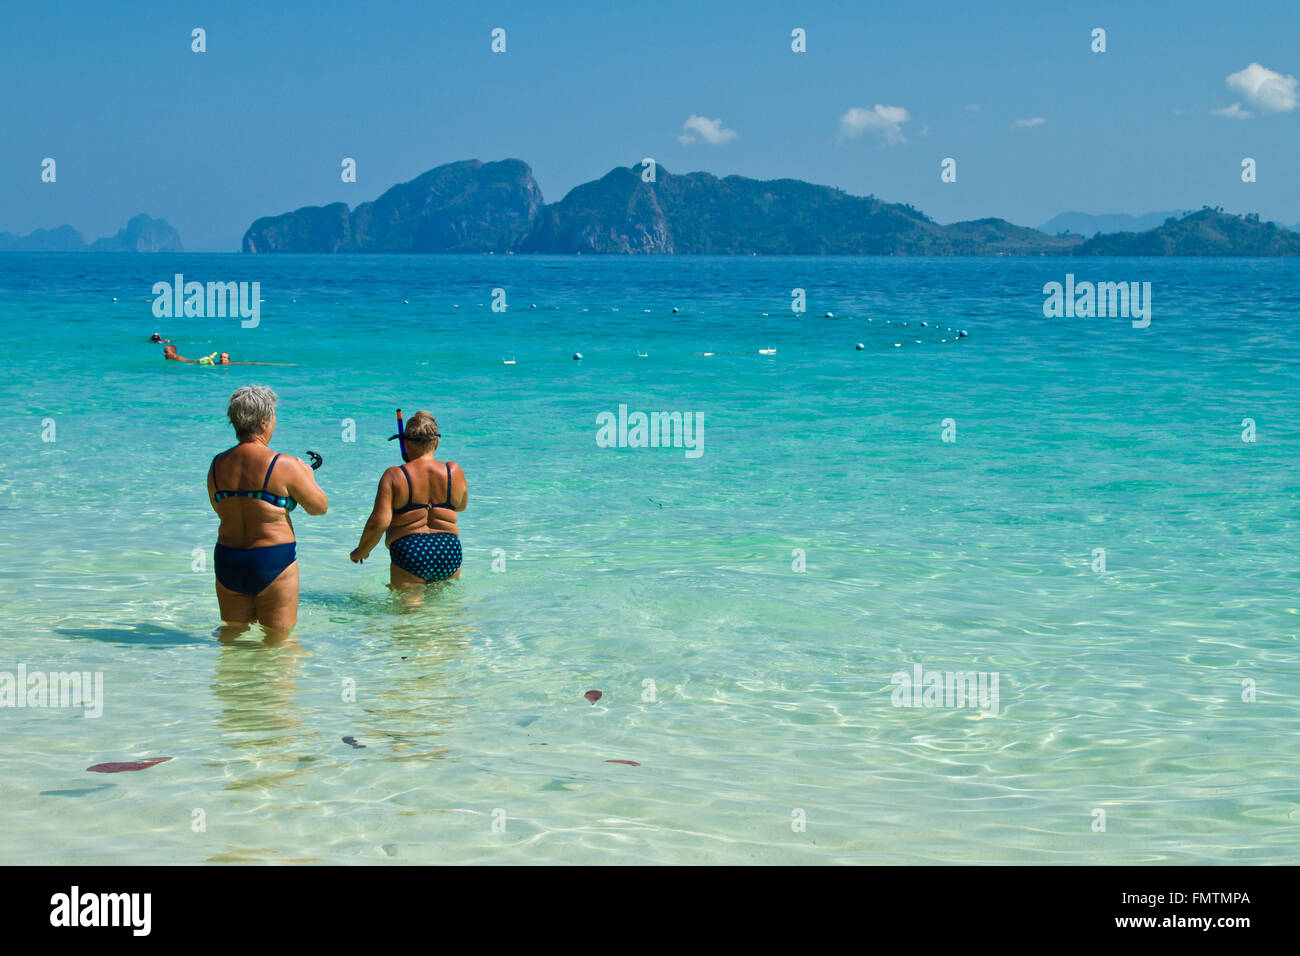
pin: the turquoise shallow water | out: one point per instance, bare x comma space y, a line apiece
1119, 690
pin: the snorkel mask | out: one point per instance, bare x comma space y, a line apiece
401, 437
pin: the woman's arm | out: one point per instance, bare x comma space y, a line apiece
212, 488
461, 495
303, 487
381, 516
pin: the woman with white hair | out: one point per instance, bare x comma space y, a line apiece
252, 489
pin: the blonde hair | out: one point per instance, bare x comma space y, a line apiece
422, 428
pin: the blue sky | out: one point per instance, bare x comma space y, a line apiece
1038, 123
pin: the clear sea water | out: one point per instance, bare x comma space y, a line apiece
747, 691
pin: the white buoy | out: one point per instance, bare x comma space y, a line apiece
114, 298
406, 302
925, 325
577, 356
961, 334
898, 345
860, 347
674, 310
830, 315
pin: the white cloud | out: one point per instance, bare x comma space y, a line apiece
1029, 123
1234, 112
711, 131
886, 120
1265, 90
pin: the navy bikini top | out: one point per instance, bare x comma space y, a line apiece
280, 501
412, 506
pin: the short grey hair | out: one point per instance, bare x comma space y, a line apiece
249, 407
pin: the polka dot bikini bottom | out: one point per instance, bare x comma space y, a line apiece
432, 555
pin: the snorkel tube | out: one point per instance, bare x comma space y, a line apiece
401, 435
316, 460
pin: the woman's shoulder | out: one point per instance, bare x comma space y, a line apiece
226, 453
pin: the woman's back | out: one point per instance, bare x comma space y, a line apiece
251, 495
416, 485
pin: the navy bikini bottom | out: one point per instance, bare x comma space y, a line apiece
432, 555
251, 570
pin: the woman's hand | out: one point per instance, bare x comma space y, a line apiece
304, 488
358, 555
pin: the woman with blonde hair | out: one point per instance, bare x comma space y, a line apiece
415, 510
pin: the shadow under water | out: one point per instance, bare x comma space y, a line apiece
143, 634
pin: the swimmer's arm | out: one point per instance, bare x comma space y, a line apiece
381, 516
303, 487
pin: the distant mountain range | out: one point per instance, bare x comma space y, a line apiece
1086, 224
140, 234
497, 207
1208, 232
472, 206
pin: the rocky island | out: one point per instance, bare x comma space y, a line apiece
471, 206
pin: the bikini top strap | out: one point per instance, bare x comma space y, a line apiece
410, 492
267, 479
447, 496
